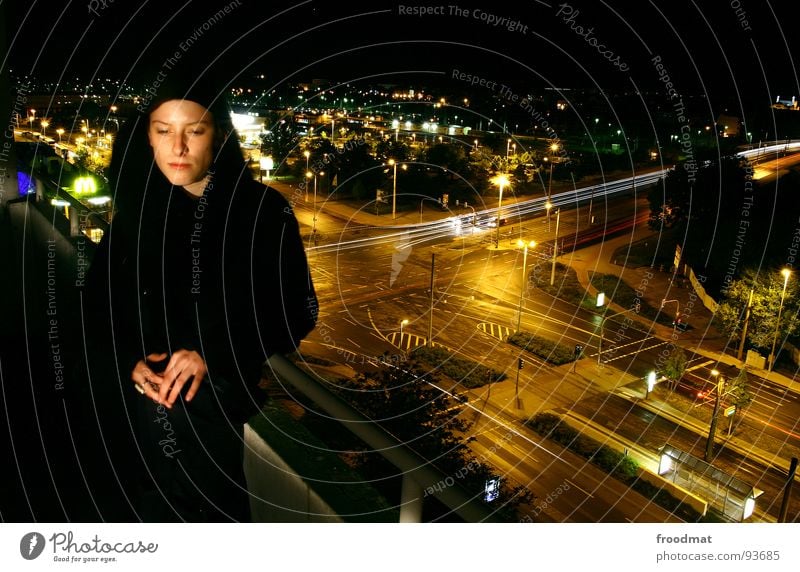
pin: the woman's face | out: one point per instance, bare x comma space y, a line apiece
181, 134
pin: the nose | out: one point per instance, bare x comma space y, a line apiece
179, 144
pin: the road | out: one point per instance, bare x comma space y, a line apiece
369, 280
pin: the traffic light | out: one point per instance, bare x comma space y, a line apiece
520, 363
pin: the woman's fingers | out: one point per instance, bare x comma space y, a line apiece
182, 366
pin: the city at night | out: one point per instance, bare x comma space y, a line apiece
507, 269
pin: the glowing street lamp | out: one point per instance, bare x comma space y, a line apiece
403, 323
501, 181
392, 163
524, 246
310, 175
555, 249
45, 124
60, 132
548, 205
786, 273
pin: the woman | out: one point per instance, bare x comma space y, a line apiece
201, 277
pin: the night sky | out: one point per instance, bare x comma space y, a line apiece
727, 50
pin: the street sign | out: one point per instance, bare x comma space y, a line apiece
730, 411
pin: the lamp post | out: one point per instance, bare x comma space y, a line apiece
525, 246
712, 429
548, 205
59, 132
31, 117
786, 273
508, 146
45, 124
403, 323
314, 218
392, 163
501, 181
555, 249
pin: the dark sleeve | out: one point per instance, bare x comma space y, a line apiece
289, 310
107, 303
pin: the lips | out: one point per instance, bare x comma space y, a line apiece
179, 166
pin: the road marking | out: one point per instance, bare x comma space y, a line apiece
609, 360
495, 330
587, 493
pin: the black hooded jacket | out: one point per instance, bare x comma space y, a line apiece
224, 275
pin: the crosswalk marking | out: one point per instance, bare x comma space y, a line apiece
407, 341
495, 330
410, 341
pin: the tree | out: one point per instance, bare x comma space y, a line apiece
447, 156
767, 289
675, 366
407, 405
280, 141
390, 149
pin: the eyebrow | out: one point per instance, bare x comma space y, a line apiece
203, 121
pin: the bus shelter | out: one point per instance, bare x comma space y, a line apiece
730, 496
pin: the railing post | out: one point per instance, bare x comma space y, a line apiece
74, 221
410, 500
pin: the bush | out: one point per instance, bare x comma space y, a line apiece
468, 373
565, 287
548, 350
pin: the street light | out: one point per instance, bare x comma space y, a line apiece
60, 132
786, 273
501, 181
309, 175
548, 205
392, 163
712, 429
403, 323
307, 154
555, 249
525, 246
31, 117
45, 124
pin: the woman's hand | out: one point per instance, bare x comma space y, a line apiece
183, 366
147, 381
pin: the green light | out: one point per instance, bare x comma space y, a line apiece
85, 186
